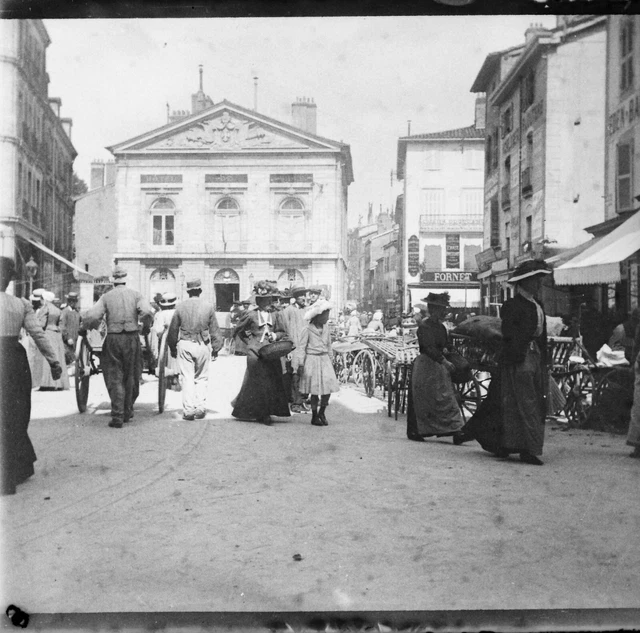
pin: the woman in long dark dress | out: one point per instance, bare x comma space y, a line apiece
511, 418
262, 393
18, 455
433, 408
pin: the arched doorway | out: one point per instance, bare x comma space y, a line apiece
290, 277
226, 284
162, 280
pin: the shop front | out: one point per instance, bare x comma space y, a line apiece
463, 289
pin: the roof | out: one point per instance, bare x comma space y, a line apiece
490, 65
458, 134
344, 148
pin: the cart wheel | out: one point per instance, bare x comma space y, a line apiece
469, 397
390, 387
578, 388
163, 358
82, 372
483, 378
369, 367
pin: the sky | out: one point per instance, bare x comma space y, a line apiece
367, 75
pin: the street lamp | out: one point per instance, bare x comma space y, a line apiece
32, 271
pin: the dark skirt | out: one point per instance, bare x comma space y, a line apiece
18, 454
262, 393
433, 408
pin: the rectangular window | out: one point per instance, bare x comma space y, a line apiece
528, 90
495, 223
528, 225
163, 231
472, 201
507, 121
433, 257
626, 56
20, 181
472, 159
470, 252
433, 201
432, 159
624, 176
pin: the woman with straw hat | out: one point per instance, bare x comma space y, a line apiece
433, 409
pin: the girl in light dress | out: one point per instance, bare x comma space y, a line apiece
316, 369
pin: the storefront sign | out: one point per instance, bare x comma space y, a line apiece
452, 241
413, 255
484, 259
625, 115
449, 278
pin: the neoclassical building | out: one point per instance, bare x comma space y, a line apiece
232, 196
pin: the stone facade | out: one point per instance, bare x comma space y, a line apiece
232, 196
36, 154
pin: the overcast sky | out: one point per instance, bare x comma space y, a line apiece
367, 75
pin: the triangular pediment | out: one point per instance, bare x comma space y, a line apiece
225, 127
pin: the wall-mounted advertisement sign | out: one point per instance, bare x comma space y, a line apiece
452, 241
453, 278
413, 255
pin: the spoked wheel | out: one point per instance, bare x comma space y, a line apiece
483, 378
390, 386
469, 397
578, 387
163, 358
339, 366
82, 372
365, 369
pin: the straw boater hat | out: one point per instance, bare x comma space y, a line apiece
530, 268
72, 296
168, 299
435, 299
119, 275
320, 306
49, 296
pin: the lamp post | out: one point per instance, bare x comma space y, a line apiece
32, 271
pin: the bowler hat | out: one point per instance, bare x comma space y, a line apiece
436, 299
194, 284
119, 275
529, 268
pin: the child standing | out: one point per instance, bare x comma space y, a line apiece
316, 370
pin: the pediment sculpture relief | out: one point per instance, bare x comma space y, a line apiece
225, 132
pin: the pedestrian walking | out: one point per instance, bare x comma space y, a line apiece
70, 326
293, 322
433, 409
121, 356
353, 324
18, 454
262, 393
161, 323
524, 369
193, 336
318, 379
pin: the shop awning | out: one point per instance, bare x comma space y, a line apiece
459, 297
600, 263
48, 251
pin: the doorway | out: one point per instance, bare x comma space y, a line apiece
226, 294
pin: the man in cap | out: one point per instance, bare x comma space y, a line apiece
193, 327
293, 323
121, 357
313, 294
70, 325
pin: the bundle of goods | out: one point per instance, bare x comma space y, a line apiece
486, 330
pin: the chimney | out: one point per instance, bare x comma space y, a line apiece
481, 112
533, 31
55, 103
110, 173
304, 114
97, 174
67, 124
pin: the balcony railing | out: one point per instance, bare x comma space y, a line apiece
527, 188
438, 222
505, 197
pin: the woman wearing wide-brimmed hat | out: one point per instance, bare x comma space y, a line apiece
262, 393
433, 409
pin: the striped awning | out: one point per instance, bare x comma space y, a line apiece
84, 275
600, 262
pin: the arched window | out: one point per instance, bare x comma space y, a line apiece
291, 204
163, 214
228, 204
291, 224
226, 284
162, 280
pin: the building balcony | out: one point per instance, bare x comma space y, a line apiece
527, 188
441, 222
505, 197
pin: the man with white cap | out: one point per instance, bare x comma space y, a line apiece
193, 328
293, 322
121, 357
70, 324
